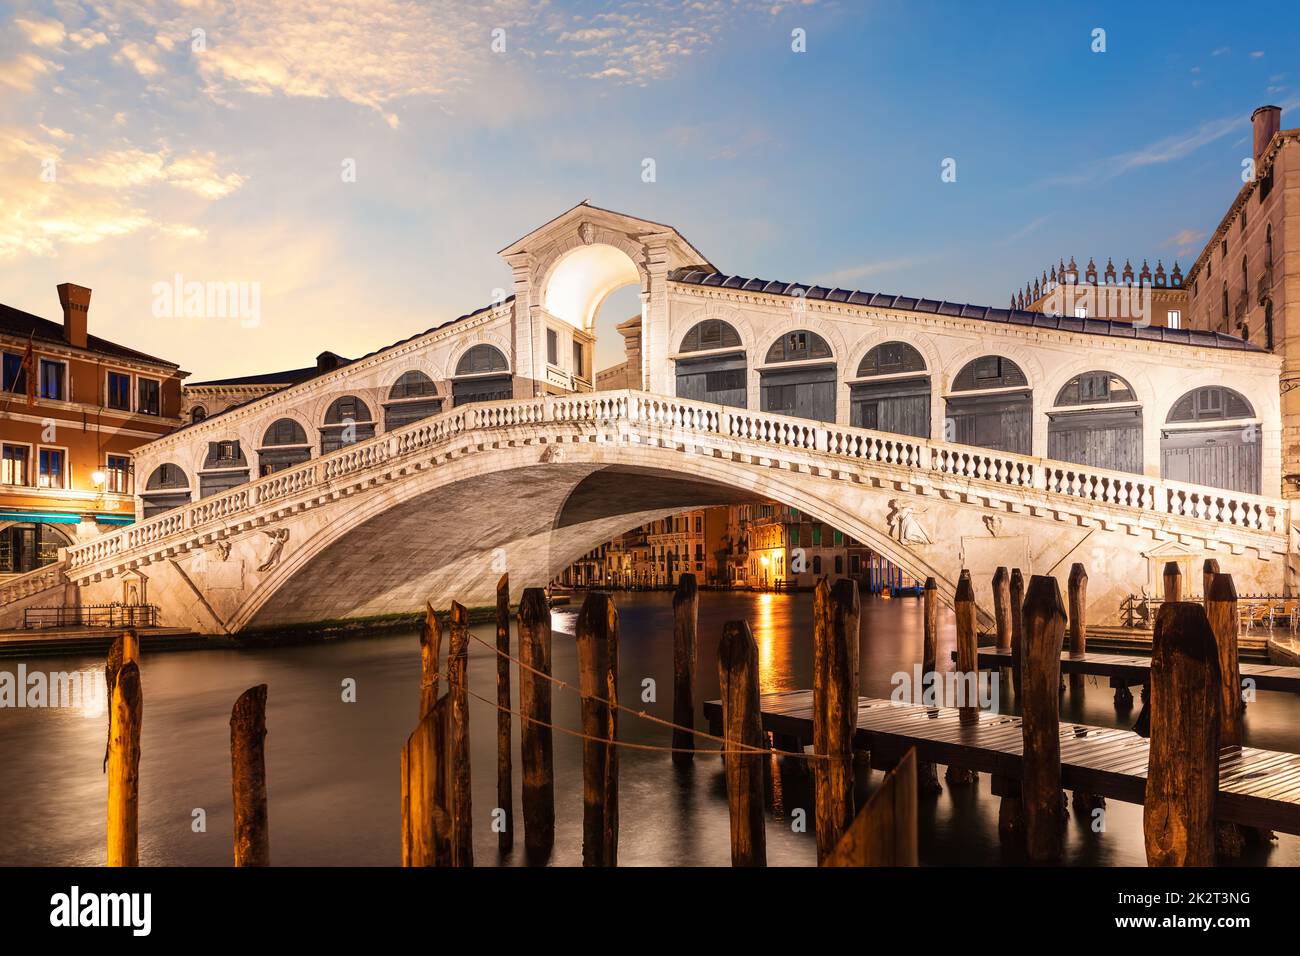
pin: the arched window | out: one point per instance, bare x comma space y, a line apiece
718, 378
482, 360
412, 384
997, 412
1268, 246
413, 396
1210, 438
284, 445
487, 377
284, 431
806, 391
197, 414
1096, 422
710, 334
891, 358
798, 346
347, 421
900, 401
167, 487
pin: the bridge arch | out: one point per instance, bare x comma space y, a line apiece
579, 271
556, 532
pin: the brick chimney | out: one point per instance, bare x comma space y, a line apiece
1267, 120
75, 300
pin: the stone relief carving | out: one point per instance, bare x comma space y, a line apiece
587, 233
994, 524
904, 523
223, 548
278, 536
551, 454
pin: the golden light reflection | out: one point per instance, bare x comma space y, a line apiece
765, 636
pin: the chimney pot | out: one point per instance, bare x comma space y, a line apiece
1267, 120
75, 300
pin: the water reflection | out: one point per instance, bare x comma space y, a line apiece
333, 766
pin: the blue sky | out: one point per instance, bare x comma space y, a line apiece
223, 164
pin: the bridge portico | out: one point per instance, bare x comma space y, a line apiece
921, 428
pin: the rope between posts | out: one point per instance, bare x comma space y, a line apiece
627, 710
632, 745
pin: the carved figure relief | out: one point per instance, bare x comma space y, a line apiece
904, 523
278, 536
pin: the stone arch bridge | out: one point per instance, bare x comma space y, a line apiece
436, 510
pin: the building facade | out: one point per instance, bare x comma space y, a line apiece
1246, 281
73, 409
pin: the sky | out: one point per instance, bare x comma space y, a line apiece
355, 165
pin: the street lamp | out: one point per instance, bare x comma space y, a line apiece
98, 478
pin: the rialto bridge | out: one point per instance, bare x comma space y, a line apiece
940, 435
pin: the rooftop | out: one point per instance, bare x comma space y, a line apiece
24, 325
981, 313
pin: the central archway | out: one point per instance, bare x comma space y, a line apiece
575, 289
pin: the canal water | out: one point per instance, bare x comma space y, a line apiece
333, 765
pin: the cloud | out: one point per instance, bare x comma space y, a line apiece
1184, 241
44, 33
1166, 150
1256, 54
141, 57
22, 72
53, 199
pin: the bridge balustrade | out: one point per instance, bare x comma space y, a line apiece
1118, 489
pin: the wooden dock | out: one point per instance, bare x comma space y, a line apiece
1132, 671
1258, 788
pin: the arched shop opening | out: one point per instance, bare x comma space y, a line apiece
283, 445
798, 377
891, 392
711, 364
167, 487
1212, 437
413, 396
1096, 421
482, 375
348, 420
991, 405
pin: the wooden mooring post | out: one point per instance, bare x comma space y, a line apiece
124, 649
597, 636
1002, 608
967, 683
1173, 583
248, 778
1209, 568
1017, 624
1183, 766
1077, 586
686, 612
459, 802
742, 729
430, 653
1221, 610
884, 831
125, 718
835, 707
931, 689
505, 788
535, 748
1040, 774
422, 796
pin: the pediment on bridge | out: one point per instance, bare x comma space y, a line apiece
585, 224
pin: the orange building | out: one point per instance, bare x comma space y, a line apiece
72, 408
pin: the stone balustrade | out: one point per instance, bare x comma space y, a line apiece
739, 429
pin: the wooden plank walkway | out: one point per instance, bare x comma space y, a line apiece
1134, 670
1257, 788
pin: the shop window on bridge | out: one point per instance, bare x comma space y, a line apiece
1212, 438
890, 395
991, 406
30, 545
719, 376
167, 487
413, 396
224, 468
482, 375
806, 390
347, 421
1096, 421
284, 445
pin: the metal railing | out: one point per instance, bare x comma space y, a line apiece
1154, 496
92, 615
